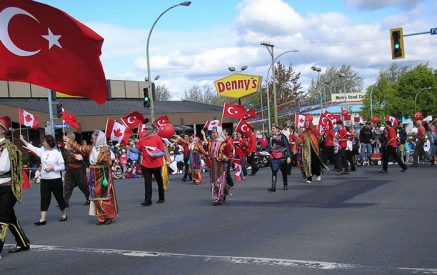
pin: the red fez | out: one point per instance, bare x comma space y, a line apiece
5, 123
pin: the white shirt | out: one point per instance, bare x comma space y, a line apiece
5, 164
49, 158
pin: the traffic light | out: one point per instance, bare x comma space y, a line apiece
397, 43
146, 100
59, 110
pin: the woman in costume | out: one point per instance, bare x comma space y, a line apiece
102, 190
217, 154
279, 149
309, 141
195, 160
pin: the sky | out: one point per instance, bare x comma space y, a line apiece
195, 45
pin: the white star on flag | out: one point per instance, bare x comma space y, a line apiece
53, 39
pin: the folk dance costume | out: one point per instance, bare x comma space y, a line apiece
309, 140
279, 149
11, 179
240, 146
195, 161
101, 186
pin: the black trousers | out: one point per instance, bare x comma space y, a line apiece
8, 218
328, 154
391, 151
229, 180
341, 161
73, 178
147, 174
186, 169
252, 161
49, 186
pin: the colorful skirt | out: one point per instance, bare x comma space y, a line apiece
102, 193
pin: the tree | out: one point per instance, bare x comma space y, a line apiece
204, 94
162, 93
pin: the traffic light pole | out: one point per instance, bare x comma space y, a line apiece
50, 101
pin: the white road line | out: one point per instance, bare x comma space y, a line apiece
238, 260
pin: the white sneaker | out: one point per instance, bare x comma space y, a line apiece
319, 178
308, 181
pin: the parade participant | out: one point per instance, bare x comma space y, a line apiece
152, 150
100, 182
75, 172
229, 150
352, 148
402, 136
251, 150
292, 140
340, 157
420, 141
366, 138
195, 160
51, 179
184, 142
391, 149
279, 149
11, 179
309, 140
216, 152
240, 146
328, 151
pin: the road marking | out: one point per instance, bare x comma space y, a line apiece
237, 260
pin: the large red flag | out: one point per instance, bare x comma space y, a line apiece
244, 128
250, 114
47, 47
70, 119
133, 119
233, 111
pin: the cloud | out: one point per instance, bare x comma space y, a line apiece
380, 4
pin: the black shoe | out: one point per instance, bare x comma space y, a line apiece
146, 203
160, 201
86, 203
63, 219
272, 189
404, 169
100, 223
107, 221
382, 171
40, 223
286, 187
215, 203
19, 249
184, 179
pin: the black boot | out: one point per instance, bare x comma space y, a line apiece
273, 188
285, 186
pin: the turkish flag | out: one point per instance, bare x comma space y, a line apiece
116, 131
250, 114
26, 182
244, 128
70, 119
327, 118
133, 119
233, 111
27, 119
162, 120
45, 46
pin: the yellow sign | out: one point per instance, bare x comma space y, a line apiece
238, 85
62, 95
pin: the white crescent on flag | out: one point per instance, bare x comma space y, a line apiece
230, 110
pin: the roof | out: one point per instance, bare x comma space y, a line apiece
83, 107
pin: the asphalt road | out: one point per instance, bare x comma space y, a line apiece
361, 223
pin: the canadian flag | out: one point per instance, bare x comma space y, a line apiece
299, 120
394, 121
160, 121
132, 120
250, 114
116, 131
27, 119
211, 124
233, 111
244, 128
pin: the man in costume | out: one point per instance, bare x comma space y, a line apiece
11, 179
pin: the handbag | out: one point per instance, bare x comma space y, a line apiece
277, 155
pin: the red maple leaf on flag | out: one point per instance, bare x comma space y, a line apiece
301, 120
118, 133
29, 118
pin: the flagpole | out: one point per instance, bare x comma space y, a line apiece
223, 113
19, 114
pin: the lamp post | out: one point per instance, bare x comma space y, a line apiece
415, 98
186, 4
274, 87
242, 68
269, 48
371, 101
343, 75
318, 70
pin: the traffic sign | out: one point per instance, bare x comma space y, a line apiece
433, 31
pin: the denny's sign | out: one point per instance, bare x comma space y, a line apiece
238, 85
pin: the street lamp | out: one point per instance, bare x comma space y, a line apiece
273, 77
415, 98
371, 102
186, 4
232, 69
343, 75
318, 70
